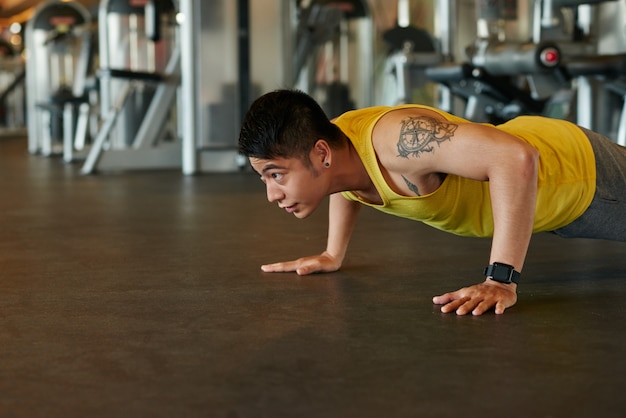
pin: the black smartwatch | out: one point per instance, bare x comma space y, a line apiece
502, 273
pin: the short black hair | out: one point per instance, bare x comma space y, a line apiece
286, 124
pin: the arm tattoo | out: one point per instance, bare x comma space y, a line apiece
417, 135
412, 187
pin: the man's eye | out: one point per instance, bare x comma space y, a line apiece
276, 176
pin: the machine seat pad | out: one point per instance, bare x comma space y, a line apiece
132, 75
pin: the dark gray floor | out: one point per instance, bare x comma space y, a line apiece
140, 295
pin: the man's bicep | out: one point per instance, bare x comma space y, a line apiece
478, 151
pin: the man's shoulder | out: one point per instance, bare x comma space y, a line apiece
396, 119
396, 115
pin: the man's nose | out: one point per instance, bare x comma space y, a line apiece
273, 193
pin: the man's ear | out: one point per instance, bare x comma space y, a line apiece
322, 152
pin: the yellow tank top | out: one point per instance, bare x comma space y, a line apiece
566, 182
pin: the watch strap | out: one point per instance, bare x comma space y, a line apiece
503, 273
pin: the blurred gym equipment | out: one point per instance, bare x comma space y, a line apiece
139, 77
56, 68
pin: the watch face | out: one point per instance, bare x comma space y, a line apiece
501, 272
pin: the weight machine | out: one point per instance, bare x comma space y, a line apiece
411, 51
504, 78
139, 77
55, 73
12, 75
330, 37
597, 74
501, 78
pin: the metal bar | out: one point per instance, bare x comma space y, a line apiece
68, 132
243, 37
621, 132
96, 149
160, 104
189, 84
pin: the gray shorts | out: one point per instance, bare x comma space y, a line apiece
606, 216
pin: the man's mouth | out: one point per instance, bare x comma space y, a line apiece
290, 209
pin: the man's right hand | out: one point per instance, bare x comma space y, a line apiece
322, 263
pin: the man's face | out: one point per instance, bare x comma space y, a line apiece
295, 187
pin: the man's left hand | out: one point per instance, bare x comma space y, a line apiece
479, 298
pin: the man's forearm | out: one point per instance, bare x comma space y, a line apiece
342, 214
513, 205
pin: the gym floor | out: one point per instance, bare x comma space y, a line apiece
140, 294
